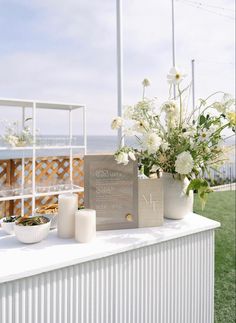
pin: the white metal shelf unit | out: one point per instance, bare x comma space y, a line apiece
34, 105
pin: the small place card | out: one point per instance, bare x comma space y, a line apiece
150, 202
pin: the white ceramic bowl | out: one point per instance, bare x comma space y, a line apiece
8, 227
32, 234
53, 218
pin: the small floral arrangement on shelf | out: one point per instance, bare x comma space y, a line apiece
174, 140
17, 137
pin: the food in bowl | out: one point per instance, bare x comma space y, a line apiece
32, 229
50, 211
7, 224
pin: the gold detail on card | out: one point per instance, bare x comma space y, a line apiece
129, 217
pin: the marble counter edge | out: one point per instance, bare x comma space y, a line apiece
207, 225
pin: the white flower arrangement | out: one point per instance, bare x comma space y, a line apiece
173, 141
16, 137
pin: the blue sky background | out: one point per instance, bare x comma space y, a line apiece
66, 50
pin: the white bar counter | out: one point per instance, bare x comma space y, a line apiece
151, 275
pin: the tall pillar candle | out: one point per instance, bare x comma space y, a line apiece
85, 225
67, 206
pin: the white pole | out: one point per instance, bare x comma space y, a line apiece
119, 42
173, 38
23, 169
193, 84
85, 130
71, 157
34, 158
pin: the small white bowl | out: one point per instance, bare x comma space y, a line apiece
8, 227
53, 218
32, 234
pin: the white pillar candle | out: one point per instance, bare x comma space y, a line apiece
67, 206
85, 225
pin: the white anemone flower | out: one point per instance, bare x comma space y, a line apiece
122, 158
184, 163
189, 133
141, 126
204, 135
117, 123
225, 104
219, 106
151, 142
175, 76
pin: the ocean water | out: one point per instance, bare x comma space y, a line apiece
96, 144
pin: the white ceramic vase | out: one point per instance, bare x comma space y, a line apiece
176, 203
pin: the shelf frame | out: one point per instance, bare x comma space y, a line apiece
34, 105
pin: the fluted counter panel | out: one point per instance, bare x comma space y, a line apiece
171, 281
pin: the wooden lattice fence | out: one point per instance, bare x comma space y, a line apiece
49, 171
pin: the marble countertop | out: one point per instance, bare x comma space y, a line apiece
19, 260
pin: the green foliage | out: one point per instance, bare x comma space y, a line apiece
202, 120
202, 187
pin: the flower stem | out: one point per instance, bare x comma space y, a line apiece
181, 107
143, 92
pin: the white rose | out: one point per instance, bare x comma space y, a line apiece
117, 123
184, 163
132, 155
151, 142
122, 158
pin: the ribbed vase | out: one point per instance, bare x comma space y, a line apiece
176, 203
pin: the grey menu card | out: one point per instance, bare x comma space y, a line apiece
112, 190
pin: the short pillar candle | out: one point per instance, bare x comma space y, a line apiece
67, 206
85, 225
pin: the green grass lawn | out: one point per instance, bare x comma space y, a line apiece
221, 207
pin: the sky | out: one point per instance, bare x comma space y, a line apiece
65, 50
